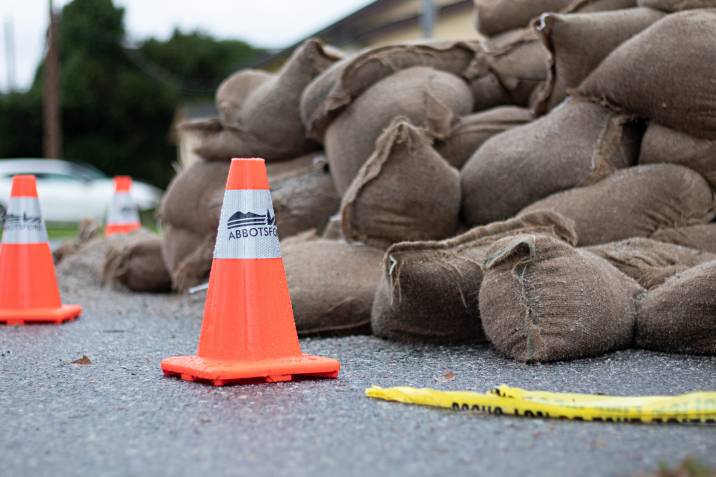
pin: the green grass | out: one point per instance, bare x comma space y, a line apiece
689, 467
60, 232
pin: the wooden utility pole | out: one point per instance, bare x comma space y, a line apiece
10, 54
52, 141
428, 15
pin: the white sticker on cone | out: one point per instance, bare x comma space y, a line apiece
247, 227
123, 210
23, 222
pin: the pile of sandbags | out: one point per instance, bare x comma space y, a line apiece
594, 161
548, 190
259, 112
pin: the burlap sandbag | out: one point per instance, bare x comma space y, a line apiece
261, 116
305, 236
662, 144
487, 91
88, 230
428, 98
518, 61
429, 290
543, 300
187, 256
214, 141
342, 83
701, 237
332, 284
497, 16
473, 130
189, 214
576, 144
305, 198
139, 266
665, 73
278, 171
233, 92
578, 42
634, 202
83, 267
404, 191
677, 5
680, 315
194, 197
650, 262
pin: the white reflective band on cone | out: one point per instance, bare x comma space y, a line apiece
123, 210
247, 227
23, 222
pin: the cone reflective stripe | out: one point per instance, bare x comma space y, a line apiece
123, 215
28, 287
248, 332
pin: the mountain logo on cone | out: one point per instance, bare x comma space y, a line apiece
24, 221
250, 219
127, 209
243, 225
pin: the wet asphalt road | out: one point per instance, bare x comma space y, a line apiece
120, 416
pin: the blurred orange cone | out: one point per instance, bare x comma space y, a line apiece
28, 287
123, 215
248, 333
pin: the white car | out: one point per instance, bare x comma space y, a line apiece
70, 192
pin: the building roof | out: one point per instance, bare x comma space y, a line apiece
359, 27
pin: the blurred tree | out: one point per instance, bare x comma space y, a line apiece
118, 102
200, 72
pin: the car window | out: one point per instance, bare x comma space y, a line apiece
86, 172
55, 176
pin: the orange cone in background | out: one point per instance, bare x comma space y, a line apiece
28, 287
248, 333
123, 215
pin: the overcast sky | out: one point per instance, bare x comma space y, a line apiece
267, 23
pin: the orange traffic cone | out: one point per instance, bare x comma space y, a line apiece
123, 215
248, 333
28, 287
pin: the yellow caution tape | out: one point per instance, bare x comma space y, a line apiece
570, 398
697, 407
